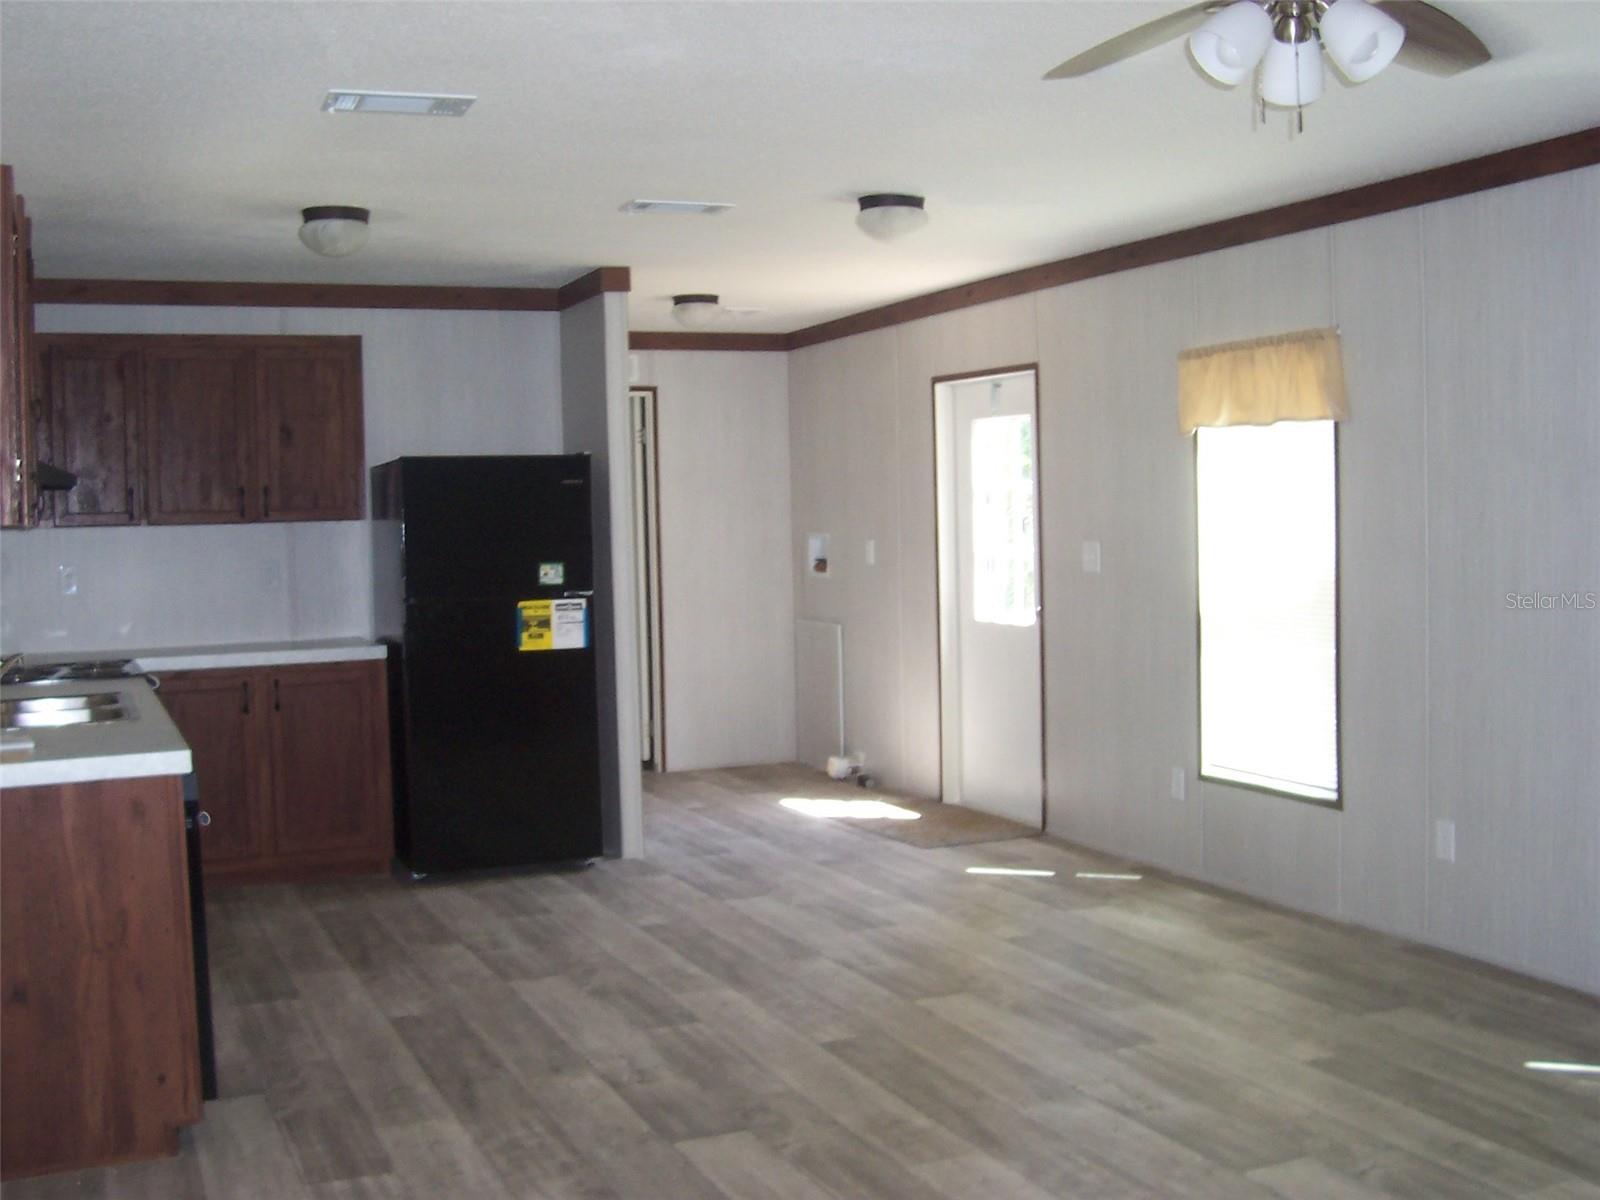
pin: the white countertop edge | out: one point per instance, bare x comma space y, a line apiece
207, 658
94, 770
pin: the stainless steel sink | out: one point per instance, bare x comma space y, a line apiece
55, 712
105, 668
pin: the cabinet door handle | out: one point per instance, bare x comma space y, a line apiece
130, 502
241, 503
266, 501
277, 700
244, 698
202, 818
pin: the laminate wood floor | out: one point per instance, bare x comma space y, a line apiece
774, 1006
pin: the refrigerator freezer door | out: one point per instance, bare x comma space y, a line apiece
502, 758
478, 526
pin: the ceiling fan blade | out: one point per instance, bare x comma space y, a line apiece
1136, 41
1436, 42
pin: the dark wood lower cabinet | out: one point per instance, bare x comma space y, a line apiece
98, 1057
293, 768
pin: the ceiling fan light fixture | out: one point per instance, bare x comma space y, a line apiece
334, 230
1361, 40
696, 310
1231, 42
1291, 74
890, 215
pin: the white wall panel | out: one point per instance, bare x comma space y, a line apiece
1514, 507
846, 436
1120, 645
722, 435
1383, 578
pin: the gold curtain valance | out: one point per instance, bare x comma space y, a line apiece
1289, 377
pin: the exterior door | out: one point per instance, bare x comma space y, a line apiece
990, 662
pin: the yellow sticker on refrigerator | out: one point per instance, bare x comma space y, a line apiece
553, 624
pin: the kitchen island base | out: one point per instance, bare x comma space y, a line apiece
99, 1060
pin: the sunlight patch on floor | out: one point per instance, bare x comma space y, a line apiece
858, 810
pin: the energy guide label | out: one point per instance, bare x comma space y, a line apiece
553, 624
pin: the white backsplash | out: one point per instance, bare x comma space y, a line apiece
184, 585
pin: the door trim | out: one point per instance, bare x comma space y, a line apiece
653, 653
934, 385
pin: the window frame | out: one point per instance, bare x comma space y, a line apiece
1337, 803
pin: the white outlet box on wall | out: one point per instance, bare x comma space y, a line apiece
1444, 840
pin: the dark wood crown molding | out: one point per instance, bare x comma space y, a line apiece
330, 295
597, 281
1574, 151
708, 341
292, 295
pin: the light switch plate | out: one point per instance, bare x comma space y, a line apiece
1091, 558
872, 552
1444, 840
1179, 782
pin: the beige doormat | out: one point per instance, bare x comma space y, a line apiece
943, 825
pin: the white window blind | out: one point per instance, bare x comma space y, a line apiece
1267, 504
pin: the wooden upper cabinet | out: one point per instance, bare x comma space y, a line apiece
17, 485
310, 440
91, 428
199, 427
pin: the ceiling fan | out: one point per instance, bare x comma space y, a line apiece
1228, 40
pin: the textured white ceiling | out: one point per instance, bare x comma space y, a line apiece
180, 140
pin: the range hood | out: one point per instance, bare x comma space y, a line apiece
53, 479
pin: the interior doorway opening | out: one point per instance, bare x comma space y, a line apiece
647, 570
991, 670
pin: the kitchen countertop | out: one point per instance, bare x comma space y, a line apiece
145, 743
235, 654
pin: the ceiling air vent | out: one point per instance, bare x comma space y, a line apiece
404, 104
671, 207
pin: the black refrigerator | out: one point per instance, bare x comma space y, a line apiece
483, 585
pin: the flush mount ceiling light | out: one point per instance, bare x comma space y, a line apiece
334, 230
890, 215
696, 310
400, 104
1286, 38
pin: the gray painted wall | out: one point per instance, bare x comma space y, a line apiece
727, 576
435, 383
594, 405
1470, 468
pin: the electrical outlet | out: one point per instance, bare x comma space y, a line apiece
67, 579
1444, 840
1091, 558
872, 552
1179, 782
